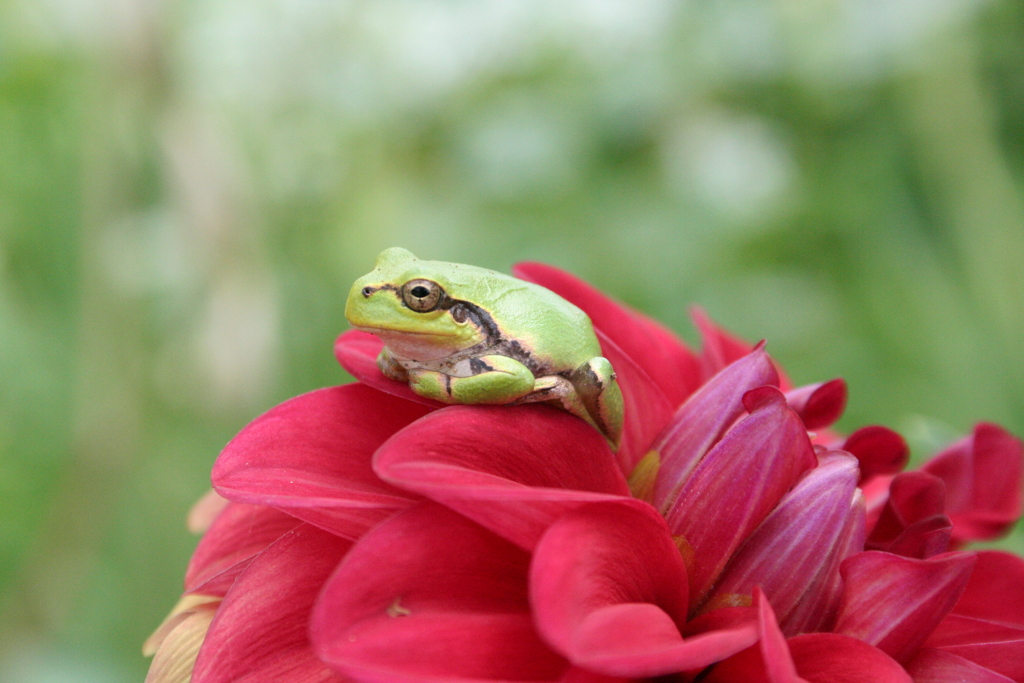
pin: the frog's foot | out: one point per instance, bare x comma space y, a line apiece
551, 388
390, 367
598, 391
563, 392
498, 380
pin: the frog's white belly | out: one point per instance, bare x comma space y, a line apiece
454, 366
407, 345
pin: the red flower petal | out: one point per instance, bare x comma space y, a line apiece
430, 596
664, 358
936, 666
995, 646
239, 533
895, 602
260, 630
608, 589
768, 661
984, 475
512, 469
996, 590
310, 457
879, 450
987, 624
911, 522
810, 658
700, 422
791, 552
923, 539
775, 654
738, 483
357, 352
819, 405
830, 657
646, 409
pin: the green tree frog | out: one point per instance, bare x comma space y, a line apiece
462, 334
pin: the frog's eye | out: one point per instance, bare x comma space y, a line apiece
422, 296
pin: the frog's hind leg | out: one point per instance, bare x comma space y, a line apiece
560, 392
599, 393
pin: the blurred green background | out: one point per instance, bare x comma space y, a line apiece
188, 188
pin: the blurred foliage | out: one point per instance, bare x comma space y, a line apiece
187, 190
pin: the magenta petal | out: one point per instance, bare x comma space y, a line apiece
936, 666
662, 356
260, 630
310, 457
791, 552
608, 588
512, 469
700, 422
879, 450
984, 476
357, 352
896, 602
819, 612
430, 596
737, 484
819, 405
996, 590
238, 533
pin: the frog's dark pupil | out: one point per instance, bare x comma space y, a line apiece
420, 291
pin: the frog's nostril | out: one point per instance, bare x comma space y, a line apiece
367, 291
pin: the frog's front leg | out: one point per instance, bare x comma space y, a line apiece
390, 367
495, 380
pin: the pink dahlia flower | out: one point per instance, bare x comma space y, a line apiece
363, 533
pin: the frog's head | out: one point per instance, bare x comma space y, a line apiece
411, 306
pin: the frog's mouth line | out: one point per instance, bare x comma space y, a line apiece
391, 330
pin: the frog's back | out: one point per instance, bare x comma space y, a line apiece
553, 331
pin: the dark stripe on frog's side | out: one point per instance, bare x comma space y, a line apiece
480, 318
494, 343
447, 383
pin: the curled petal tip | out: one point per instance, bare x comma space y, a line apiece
819, 405
880, 450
